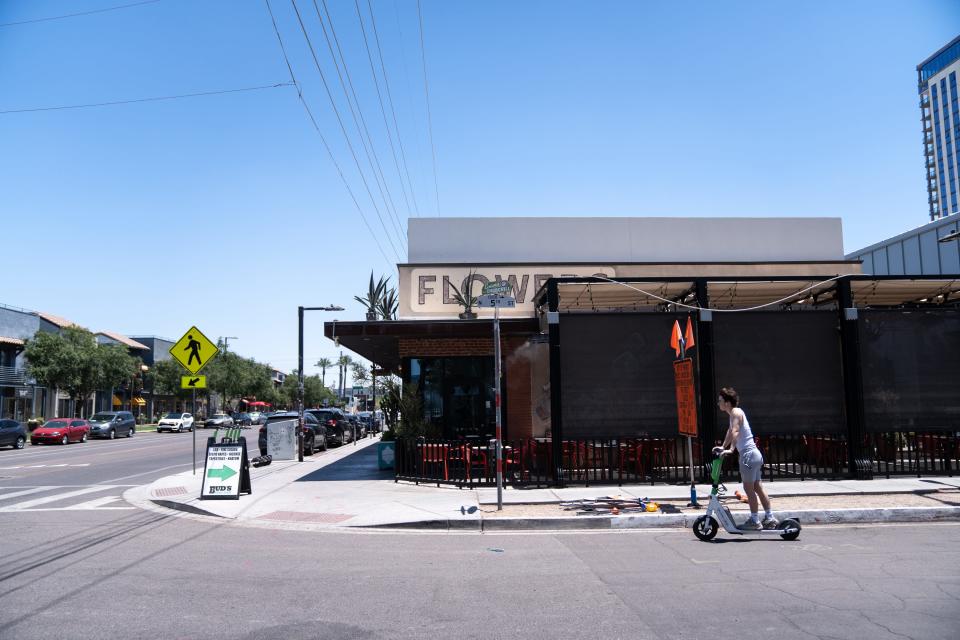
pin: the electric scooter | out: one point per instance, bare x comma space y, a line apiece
706, 526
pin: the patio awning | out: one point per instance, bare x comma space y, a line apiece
379, 341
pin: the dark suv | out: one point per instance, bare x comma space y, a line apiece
110, 424
339, 429
314, 433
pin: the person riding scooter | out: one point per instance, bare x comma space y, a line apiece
739, 437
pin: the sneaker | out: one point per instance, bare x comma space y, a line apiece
770, 523
751, 525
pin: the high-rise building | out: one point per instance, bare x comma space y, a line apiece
937, 77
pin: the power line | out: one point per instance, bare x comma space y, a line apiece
369, 147
326, 146
154, 99
393, 112
383, 109
426, 89
343, 129
82, 13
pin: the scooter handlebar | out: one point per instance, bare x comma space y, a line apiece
719, 451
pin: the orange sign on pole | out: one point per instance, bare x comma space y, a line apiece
686, 397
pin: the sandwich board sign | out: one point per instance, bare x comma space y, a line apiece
226, 472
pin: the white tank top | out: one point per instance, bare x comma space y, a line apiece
745, 441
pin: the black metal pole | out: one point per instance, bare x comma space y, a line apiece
860, 459
706, 370
556, 404
300, 384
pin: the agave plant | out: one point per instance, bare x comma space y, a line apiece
387, 306
466, 299
374, 293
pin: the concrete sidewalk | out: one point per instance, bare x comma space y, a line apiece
342, 489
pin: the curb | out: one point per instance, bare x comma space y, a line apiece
674, 521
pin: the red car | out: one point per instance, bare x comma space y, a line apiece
62, 430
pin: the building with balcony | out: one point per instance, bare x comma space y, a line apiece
940, 117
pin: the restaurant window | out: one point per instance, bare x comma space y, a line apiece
457, 394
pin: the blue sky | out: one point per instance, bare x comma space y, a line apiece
225, 211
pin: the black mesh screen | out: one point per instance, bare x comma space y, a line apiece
911, 369
618, 375
787, 368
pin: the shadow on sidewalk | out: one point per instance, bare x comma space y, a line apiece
361, 465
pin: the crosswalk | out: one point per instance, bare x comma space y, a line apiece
100, 497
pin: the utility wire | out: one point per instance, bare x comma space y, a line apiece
426, 89
383, 109
343, 129
393, 112
82, 13
326, 146
698, 308
369, 147
155, 99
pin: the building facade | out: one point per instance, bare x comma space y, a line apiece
932, 249
846, 374
940, 115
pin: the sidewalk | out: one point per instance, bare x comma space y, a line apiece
342, 489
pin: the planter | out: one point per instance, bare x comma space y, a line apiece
385, 454
371, 316
468, 315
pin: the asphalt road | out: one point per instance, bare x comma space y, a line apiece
126, 573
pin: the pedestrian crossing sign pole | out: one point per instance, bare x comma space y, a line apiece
194, 351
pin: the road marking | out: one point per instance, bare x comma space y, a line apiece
16, 494
40, 466
96, 504
29, 504
695, 561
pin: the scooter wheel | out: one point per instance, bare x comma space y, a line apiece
705, 528
793, 526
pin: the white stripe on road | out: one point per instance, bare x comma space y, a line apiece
21, 506
95, 504
17, 494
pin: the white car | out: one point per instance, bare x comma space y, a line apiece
176, 422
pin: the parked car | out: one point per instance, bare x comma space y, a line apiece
258, 417
12, 434
357, 426
110, 424
176, 422
371, 420
61, 430
314, 433
242, 419
219, 420
338, 427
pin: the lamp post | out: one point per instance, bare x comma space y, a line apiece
300, 311
226, 347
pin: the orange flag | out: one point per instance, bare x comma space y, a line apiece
675, 337
688, 335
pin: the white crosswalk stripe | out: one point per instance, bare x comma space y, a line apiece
58, 494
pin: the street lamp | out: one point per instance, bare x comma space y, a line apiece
300, 311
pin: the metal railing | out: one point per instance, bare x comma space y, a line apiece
914, 452
13, 375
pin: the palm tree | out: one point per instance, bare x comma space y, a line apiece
324, 364
343, 362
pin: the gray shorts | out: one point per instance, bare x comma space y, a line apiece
751, 464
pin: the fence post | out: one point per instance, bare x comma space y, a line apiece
860, 460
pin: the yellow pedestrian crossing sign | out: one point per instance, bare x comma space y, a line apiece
194, 350
193, 382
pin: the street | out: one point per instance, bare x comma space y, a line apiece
88, 565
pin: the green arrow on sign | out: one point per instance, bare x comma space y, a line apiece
223, 473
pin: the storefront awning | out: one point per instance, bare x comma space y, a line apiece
117, 401
379, 341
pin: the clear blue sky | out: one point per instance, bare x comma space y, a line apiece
225, 212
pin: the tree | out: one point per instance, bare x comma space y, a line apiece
324, 364
343, 362
314, 393
361, 375
165, 379
73, 362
